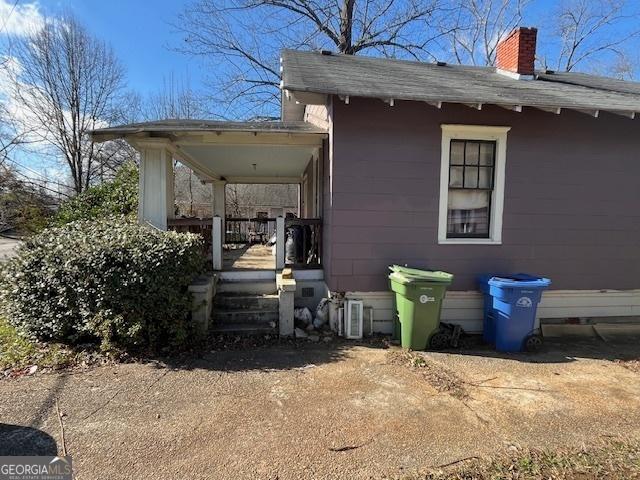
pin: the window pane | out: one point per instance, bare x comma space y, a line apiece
468, 214
471, 177
457, 153
486, 177
487, 153
471, 153
455, 176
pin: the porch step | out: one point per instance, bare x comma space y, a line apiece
245, 317
254, 287
244, 329
247, 275
246, 304
240, 301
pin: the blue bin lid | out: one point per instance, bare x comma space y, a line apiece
516, 280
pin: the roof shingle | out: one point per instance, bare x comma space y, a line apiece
360, 76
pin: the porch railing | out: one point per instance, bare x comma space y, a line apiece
303, 242
249, 230
203, 226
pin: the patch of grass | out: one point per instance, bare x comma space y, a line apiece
18, 352
615, 460
15, 351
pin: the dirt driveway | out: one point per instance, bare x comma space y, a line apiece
318, 411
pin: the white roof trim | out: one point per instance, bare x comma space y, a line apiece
592, 113
515, 108
555, 110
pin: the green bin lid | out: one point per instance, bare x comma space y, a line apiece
406, 275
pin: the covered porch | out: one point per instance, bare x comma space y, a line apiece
230, 153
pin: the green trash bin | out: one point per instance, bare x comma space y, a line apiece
419, 295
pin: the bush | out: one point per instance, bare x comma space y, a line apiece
110, 281
117, 197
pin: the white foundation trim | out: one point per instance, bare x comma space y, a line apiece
465, 308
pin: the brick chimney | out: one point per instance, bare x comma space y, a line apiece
516, 53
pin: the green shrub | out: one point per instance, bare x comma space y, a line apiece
110, 281
117, 197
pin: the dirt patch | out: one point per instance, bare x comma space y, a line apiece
633, 365
439, 377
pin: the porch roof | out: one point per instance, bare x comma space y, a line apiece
200, 126
235, 152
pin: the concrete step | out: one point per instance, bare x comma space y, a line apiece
244, 329
239, 301
257, 287
244, 316
247, 276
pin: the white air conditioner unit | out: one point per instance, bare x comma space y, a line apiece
354, 319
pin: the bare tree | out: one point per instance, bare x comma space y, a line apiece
192, 196
589, 30
243, 38
67, 83
477, 26
10, 137
176, 100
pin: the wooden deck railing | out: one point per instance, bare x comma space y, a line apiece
303, 244
249, 230
300, 245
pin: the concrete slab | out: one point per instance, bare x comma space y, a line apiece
615, 332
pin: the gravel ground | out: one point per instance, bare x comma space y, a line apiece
318, 411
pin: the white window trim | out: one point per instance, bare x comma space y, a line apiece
474, 132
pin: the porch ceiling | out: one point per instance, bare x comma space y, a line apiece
243, 161
240, 152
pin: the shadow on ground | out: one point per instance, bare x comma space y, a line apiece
249, 354
561, 350
246, 354
25, 441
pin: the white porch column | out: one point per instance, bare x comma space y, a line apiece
156, 196
219, 213
280, 241
219, 207
216, 242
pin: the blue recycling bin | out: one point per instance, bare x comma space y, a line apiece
510, 304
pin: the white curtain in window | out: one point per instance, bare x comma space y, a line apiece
468, 200
468, 212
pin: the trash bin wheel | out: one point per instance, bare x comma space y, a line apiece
533, 343
439, 341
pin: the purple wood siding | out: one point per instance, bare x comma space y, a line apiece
572, 197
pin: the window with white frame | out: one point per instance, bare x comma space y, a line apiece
472, 184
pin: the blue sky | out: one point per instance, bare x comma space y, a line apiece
141, 35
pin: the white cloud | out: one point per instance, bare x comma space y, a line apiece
20, 19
